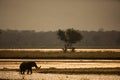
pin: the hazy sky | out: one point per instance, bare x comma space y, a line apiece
45, 15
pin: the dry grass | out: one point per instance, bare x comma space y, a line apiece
59, 55
82, 71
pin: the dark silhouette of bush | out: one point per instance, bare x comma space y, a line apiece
70, 36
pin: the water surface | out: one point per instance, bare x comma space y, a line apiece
61, 63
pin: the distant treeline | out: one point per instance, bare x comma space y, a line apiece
32, 39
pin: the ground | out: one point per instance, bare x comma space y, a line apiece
60, 69
15, 75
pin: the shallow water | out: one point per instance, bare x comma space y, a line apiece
47, 63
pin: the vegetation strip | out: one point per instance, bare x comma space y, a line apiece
82, 70
58, 55
75, 70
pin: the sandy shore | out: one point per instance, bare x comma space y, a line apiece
15, 75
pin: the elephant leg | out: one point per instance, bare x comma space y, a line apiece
29, 71
22, 71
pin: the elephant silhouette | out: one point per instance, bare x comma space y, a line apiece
27, 66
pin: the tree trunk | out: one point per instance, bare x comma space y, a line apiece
65, 48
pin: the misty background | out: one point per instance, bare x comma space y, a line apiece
49, 39
33, 23
51, 15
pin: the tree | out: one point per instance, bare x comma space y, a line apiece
70, 36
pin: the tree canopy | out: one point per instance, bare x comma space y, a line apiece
70, 36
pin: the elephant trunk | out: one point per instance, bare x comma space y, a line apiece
36, 66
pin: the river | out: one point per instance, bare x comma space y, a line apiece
58, 63
61, 63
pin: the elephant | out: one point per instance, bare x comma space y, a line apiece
28, 66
